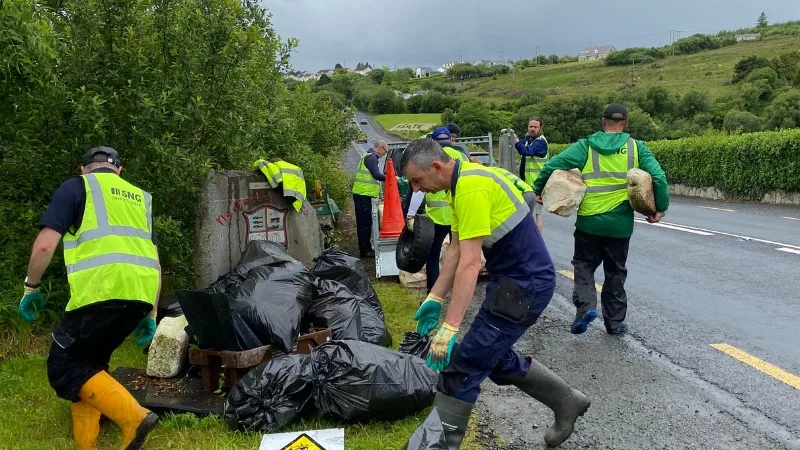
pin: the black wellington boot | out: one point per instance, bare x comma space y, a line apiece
567, 403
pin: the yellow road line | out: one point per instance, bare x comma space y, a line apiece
773, 371
790, 218
718, 209
571, 276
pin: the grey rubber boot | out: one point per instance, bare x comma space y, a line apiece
455, 417
567, 403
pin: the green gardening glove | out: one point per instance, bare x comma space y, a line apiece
427, 315
410, 224
441, 347
145, 331
32, 302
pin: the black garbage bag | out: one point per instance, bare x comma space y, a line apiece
415, 344
346, 314
271, 396
358, 381
429, 435
255, 254
168, 307
335, 307
272, 302
334, 264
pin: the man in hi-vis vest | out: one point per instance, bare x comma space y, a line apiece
604, 225
114, 279
366, 186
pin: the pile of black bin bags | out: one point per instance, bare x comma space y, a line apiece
270, 298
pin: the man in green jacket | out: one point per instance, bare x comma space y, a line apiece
604, 225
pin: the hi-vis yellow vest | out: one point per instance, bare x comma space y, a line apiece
364, 184
606, 178
291, 176
534, 165
436, 206
112, 255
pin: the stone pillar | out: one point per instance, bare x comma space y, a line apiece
236, 207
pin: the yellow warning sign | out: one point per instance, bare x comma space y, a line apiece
303, 442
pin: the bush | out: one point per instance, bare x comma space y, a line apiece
742, 122
784, 112
178, 89
727, 162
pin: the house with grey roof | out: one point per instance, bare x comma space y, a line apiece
596, 52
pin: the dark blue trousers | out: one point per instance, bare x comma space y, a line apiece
487, 348
432, 265
363, 209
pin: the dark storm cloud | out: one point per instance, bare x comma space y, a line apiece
411, 33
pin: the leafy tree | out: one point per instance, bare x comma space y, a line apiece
323, 80
473, 118
693, 103
338, 66
659, 102
746, 65
385, 101
553, 58
784, 112
762, 21
742, 122
532, 97
448, 116
641, 125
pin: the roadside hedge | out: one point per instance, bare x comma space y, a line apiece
744, 165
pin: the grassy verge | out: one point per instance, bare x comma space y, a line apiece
34, 418
389, 121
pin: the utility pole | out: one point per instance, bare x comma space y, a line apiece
537, 55
501, 56
633, 70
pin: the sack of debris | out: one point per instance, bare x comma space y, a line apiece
640, 192
271, 396
346, 314
255, 254
416, 344
357, 381
563, 192
335, 264
272, 302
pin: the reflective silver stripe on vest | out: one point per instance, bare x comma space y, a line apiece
291, 171
437, 204
370, 181
597, 173
364, 172
278, 177
527, 170
609, 188
513, 220
103, 229
262, 164
112, 258
292, 193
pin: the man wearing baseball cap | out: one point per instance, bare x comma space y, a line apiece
114, 279
436, 208
604, 224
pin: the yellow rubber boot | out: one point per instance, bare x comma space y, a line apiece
85, 426
109, 397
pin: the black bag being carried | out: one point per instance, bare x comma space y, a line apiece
415, 344
272, 302
271, 396
357, 381
334, 264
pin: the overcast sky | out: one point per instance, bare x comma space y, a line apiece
411, 33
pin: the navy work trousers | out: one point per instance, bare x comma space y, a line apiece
363, 207
432, 265
487, 348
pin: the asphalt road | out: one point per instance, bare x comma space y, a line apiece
705, 276
712, 273
373, 131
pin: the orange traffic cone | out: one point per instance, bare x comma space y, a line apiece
393, 222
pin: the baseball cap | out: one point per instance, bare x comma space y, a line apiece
441, 134
615, 111
112, 156
454, 129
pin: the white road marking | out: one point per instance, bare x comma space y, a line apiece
789, 250
747, 238
672, 227
717, 209
790, 218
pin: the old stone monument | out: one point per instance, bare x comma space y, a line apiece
236, 207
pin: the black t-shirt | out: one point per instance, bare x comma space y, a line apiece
65, 212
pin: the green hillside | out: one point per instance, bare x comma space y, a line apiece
709, 71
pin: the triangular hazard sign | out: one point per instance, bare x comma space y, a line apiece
303, 442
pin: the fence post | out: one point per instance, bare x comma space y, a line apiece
507, 152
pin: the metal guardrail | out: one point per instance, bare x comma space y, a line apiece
463, 140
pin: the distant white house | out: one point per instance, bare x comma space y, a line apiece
596, 53
423, 72
363, 71
747, 37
